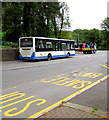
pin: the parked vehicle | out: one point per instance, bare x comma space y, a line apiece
89, 48
45, 48
82, 45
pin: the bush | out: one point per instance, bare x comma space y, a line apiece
5, 44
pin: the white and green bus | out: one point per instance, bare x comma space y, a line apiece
45, 48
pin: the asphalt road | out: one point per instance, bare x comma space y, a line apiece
29, 89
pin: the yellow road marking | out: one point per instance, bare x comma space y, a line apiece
20, 95
90, 74
8, 95
82, 84
63, 80
73, 82
16, 102
55, 79
59, 75
7, 113
66, 99
87, 87
105, 66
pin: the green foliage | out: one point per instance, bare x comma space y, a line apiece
46, 19
105, 24
105, 33
65, 35
33, 19
11, 20
5, 44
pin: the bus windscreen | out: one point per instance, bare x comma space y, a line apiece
26, 42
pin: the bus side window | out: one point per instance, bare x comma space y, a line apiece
63, 46
53, 45
57, 46
72, 46
36, 45
39, 45
68, 46
49, 46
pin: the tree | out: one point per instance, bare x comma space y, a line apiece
105, 24
105, 33
87, 36
11, 20
33, 19
63, 18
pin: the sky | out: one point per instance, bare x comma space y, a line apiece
86, 14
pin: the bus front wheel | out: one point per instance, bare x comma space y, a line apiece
68, 55
49, 57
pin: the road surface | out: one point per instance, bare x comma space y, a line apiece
29, 89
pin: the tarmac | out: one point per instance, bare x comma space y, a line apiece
72, 111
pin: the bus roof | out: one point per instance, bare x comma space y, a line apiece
49, 38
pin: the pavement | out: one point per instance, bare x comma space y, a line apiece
74, 111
